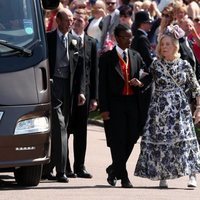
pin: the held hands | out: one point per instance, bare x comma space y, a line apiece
135, 82
196, 116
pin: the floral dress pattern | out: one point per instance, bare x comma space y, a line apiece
169, 147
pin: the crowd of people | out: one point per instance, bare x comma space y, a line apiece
138, 63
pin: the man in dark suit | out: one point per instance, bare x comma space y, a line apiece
141, 43
64, 61
79, 117
119, 87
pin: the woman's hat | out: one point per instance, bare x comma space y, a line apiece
174, 31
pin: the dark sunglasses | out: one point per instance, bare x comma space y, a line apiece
110, 3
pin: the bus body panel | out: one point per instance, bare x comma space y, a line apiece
28, 86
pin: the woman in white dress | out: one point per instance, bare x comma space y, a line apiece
94, 27
169, 147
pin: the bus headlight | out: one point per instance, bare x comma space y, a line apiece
35, 125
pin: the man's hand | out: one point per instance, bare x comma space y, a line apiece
135, 82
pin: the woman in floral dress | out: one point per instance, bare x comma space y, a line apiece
169, 147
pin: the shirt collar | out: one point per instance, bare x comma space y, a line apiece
74, 33
120, 51
60, 34
143, 31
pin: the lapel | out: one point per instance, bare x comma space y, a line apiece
105, 26
116, 62
70, 50
132, 63
87, 46
115, 21
73, 51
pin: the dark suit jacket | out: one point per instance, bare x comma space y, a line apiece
111, 85
142, 44
79, 115
111, 80
74, 58
91, 65
186, 52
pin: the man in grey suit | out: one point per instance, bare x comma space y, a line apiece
108, 24
64, 62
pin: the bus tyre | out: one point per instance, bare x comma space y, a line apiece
28, 176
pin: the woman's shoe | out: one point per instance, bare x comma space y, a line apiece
163, 184
192, 181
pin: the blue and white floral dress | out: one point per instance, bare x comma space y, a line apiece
169, 147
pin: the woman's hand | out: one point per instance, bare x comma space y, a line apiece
196, 116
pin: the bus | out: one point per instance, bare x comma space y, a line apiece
25, 104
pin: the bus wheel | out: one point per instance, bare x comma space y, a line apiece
28, 176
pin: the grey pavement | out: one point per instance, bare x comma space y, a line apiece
97, 188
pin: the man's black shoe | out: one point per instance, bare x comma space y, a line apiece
61, 177
126, 183
49, 176
112, 180
83, 174
71, 175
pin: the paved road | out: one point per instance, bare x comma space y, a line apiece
98, 157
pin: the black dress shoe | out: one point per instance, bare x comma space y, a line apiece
49, 176
83, 174
112, 180
126, 183
71, 175
61, 177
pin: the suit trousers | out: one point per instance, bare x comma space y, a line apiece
78, 127
123, 131
60, 116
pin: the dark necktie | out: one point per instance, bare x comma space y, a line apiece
109, 23
81, 41
63, 40
124, 57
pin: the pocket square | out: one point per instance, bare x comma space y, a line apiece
75, 53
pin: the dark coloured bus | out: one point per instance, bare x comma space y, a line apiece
25, 104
